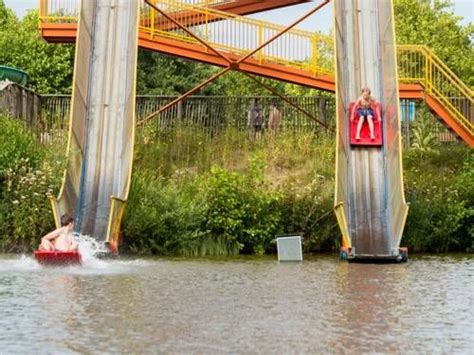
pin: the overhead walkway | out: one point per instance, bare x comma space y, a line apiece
298, 57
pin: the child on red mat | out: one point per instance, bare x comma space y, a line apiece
61, 238
364, 109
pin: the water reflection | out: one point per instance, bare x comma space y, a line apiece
239, 305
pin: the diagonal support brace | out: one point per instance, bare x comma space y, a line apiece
233, 65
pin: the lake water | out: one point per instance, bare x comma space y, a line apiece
238, 305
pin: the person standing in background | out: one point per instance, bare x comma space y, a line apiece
274, 118
255, 120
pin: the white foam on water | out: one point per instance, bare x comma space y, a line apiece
21, 263
91, 263
90, 248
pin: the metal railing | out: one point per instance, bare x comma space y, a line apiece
224, 31
304, 50
418, 64
207, 113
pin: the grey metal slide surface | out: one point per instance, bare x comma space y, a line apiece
100, 149
369, 179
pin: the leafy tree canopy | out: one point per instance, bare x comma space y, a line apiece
433, 23
49, 66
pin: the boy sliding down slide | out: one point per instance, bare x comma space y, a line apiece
364, 109
61, 238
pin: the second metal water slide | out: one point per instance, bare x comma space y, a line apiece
101, 136
369, 200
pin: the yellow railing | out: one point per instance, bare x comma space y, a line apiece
297, 48
418, 64
237, 34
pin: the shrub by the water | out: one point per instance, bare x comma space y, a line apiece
222, 195
440, 189
285, 185
163, 216
29, 173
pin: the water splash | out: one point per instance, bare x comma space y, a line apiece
24, 263
90, 249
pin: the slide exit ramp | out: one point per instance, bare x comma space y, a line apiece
101, 136
369, 198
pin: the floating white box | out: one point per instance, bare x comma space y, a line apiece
289, 248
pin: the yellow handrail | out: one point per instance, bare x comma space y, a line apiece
418, 64
312, 52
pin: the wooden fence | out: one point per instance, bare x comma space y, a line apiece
19, 102
210, 113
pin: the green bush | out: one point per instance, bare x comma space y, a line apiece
163, 217
241, 210
29, 172
26, 211
310, 211
16, 143
440, 189
218, 213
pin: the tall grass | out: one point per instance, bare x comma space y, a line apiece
201, 194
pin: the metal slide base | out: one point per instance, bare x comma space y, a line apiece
348, 255
371, 259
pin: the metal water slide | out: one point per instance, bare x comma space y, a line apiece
101, 136
369, 199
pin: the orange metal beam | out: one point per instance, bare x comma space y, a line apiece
231, 64
58, 32
437, 108
411, 91
67, 33
273, 71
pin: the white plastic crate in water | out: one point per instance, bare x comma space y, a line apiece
289, 248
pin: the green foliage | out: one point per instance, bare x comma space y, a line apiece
440, 192
164, 75
241, 209
309, 210
423, 137
433, 24
163, 217
28, 173
26, 212
238, 198
49, 66
16, 144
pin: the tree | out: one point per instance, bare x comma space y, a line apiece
49, 66
433, 23
159, 74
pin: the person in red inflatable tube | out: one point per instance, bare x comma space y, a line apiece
364, 109
60, 239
